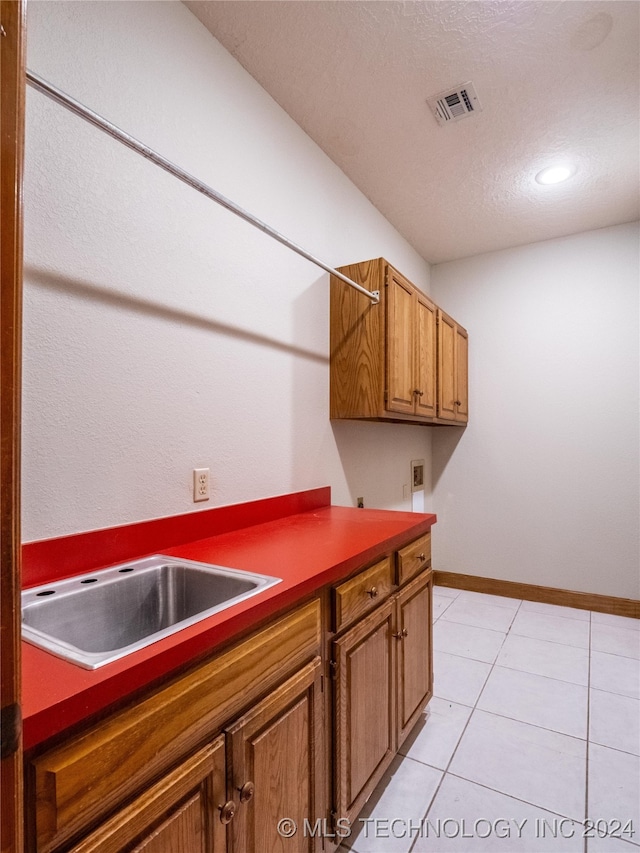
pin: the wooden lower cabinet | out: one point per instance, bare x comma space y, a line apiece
415, 658
185, 811
275, 754
382, 681
365, 708
231, 796
107, 776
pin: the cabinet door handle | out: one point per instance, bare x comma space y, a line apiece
401, 634
246, 792
422, 557
458, 403
227, 812
373, 592
418, 392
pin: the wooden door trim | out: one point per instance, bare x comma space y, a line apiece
12, 97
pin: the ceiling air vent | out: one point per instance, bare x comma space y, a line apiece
455, 104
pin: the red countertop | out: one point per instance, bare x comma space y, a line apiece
307, 549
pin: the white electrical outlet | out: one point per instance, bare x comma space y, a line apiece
200, 484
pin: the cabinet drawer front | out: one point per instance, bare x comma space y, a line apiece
362, 593
83, 779
414, 558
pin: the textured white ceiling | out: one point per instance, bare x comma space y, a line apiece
558, 81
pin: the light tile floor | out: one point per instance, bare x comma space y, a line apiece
531, 742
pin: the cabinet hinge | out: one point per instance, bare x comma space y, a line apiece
321, 683
333, 669
10, 728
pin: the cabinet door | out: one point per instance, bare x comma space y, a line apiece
357, 366
183, 813
414, 632
425, 359
462, 375
275, 753
400, 334
453, 404
365, 709
446, 367
183, 830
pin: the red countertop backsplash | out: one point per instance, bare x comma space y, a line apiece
300, 538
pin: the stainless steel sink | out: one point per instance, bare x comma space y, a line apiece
97, 618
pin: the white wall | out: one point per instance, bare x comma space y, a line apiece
162, 333
542, 487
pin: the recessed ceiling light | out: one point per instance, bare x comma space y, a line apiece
554, 175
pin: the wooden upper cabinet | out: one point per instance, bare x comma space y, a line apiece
453, 399
425, 358
410, 349
401, 336
357, 329
446, 367
384, 357
462, 375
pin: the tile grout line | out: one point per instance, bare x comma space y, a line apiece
569, 619
556, 642
481, 627
550, 677
513, 797
622, 696
495, 600
524, 636
543, 675
473, 709
535, 726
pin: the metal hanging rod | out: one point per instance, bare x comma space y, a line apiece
98, 121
